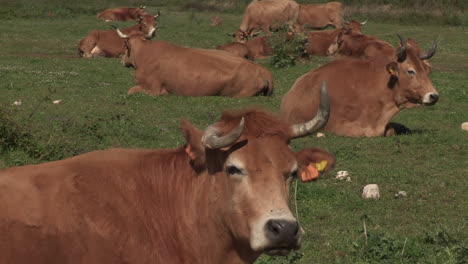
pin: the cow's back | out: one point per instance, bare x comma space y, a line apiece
321, 15
79, 210
199, 72
319, 41
269, 13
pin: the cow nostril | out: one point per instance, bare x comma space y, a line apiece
434, 97
274, 227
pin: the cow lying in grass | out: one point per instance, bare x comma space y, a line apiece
165, 68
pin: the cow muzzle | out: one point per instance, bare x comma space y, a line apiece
283, 236
430, 98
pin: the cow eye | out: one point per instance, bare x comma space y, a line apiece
233, 170
411, 72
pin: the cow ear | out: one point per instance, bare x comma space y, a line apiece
393, 69
313, 162
193, 147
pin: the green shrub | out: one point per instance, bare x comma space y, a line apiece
287, 48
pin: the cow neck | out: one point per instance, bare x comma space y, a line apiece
137, 44
196, 201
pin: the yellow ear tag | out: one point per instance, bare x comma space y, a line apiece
321, 165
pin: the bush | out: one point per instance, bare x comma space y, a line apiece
287, 48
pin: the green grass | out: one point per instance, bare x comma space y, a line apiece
38, 64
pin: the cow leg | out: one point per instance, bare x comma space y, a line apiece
136, 89
97, 52
396, 129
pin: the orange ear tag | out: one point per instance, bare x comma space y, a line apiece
309, 174
189, 152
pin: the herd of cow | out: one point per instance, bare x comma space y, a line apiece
223, 196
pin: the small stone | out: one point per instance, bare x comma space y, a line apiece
464, 126
342, 175
57, 101
320, 135
17, 102
401, 194
371, 191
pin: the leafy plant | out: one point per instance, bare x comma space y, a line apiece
287, 47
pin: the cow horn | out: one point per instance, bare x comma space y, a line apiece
431, 52
122, 35
142, 7
364, 22
320, 118
401, 56
212, 140
159, 13
231, 34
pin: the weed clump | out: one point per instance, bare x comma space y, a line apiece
287, 47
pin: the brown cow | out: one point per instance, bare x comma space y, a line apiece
360, 46
318, 42
320, 16
267, 14
238, 49
164, 68
107, 43
121, 13
216, 199
364, 94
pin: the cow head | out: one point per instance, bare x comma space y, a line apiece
130, 41
242, 36
147, 24
249, 156
409, 74
338, 40
355, 26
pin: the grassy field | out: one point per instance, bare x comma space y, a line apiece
39, 64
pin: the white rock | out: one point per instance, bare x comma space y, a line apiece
371, 191
401, 194
17, 102
57, 101
464, 126
320, 135
342, 175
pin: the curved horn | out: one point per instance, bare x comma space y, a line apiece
320, 118
364, 22
231, 34
122, 35
142, 7
401, 56
212, 140
431, 52
157, 15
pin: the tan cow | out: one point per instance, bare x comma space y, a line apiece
266, 15
121, 13
364, 94
320, 16
319, 42
164, 68
222, 197
107, 43
360, 46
